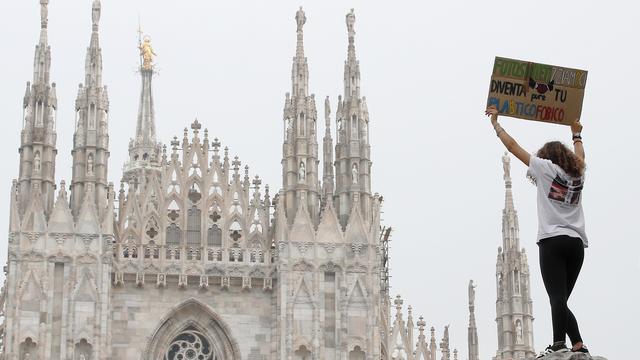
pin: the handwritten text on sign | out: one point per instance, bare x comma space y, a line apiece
538, 92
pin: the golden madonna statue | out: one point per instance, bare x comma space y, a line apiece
146, 51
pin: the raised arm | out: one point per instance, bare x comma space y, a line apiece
576, 130
511, 145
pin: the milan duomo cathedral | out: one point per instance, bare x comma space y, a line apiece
192, 258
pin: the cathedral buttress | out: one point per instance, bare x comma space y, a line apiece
91, 138
300, 148
353, 152
38, 137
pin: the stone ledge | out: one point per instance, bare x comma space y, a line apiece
568, 355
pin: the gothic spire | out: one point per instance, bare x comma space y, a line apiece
351, 65
38, 137
472, 338
300, 149
353, 152
91, 137
93, 63
506, 164
510, 227
42, 62
300, 68
327, 154
144, 149
514, 316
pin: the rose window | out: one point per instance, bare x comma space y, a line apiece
190, 345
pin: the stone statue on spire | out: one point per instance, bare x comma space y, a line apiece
506, 165
95, 12
44, 13
300, 18
351, 20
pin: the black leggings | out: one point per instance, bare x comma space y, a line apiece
561, 258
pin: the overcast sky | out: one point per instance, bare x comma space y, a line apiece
436, 160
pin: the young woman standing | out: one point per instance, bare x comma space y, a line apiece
558, 174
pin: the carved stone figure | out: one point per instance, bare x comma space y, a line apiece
354, 174
506, 166
518, 332
90, 165
36, 163
44, 12
300, 19
351, 20
95, 13
302, 172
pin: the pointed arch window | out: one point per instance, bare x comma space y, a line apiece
92, 117
302, 353
173, 235
28, 349
39, 114
356, 354
84, 350
354, 127
214, 236
301, 124
193, 227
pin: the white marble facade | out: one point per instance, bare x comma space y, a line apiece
192, 258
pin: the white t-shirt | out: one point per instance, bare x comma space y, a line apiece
559, 200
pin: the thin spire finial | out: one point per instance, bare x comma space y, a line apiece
327, 114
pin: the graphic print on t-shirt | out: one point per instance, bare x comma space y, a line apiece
566, 191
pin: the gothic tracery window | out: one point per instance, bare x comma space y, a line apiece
190, 344
214, 236
354, 127
193, 227
301, 124
173, 235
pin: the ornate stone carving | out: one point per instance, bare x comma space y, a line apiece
303, 247
140, 279
161, 280
225, 282
204, 281
267, 284
246, 282
182, 280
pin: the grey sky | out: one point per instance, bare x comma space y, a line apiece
425, 71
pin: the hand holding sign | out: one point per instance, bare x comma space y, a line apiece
539, 92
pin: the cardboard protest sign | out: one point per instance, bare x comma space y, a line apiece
539, 92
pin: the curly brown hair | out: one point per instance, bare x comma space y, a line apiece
562, 156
